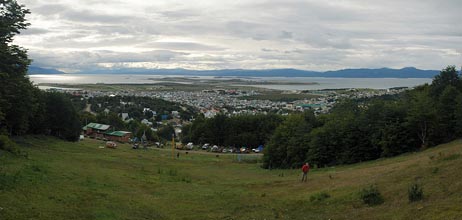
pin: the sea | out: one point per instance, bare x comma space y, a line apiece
283, 83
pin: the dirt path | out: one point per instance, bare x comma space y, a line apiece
88, 109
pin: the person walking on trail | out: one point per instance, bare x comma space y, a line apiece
305, 170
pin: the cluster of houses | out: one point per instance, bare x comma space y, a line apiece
106, 132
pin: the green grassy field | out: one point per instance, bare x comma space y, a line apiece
61, 180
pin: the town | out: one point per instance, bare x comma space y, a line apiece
165, 113
235, 102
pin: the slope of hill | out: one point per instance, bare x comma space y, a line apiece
61, 180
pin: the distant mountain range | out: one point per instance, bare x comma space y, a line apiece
408, 72
39, 70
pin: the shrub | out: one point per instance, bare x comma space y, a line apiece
319, 196
7, 145
172, 172
371, 196
7, 181
415, 192
451, 157
186, 179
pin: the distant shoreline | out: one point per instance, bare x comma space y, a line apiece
206, 82
408, 72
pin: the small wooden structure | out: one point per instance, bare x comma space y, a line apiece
120, 136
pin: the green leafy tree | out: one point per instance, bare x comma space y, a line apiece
16, 93
447, 77
166, 132
87, 117
133, 126
62, 119
116, 121
290, 142
421, 114
147, 131
458, 116
446, 116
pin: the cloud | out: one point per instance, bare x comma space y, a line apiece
34, 31
305, 34
187, 46
85, 60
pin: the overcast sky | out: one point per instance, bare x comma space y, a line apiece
78, 35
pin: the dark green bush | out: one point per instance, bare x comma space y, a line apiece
319, 197
415, 192
451, 157
371, 196
7, 145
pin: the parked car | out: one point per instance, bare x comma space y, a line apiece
189, 146
214, 148
256, 150
205, 146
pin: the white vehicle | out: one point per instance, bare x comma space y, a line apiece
189, 146
256, 150
214, 148
205, 146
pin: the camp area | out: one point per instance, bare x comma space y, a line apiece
105, 132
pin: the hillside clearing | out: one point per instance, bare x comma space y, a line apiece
62, 180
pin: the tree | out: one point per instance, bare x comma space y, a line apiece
62, 120
13, 20
87, 117
115, 121
146, 130
166, 132
458, 115
446, 117
447, 76
16, 92
289, 144
421, 114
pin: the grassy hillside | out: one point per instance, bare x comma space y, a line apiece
61, 180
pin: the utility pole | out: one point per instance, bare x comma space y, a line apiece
173, 146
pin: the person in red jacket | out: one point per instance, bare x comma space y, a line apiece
305, 169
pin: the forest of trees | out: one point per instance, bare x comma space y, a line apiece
236, 131
24, 109
363, 130
354, 131
134, 106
